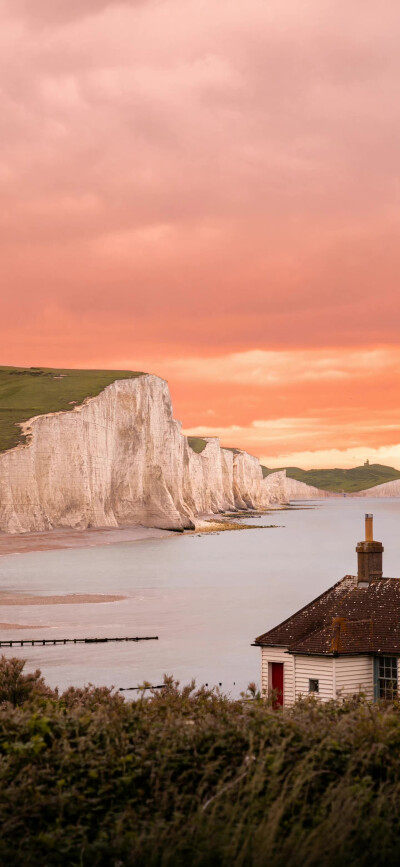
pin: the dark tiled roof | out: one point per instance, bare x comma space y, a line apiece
344, 619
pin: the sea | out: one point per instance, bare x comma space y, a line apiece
205, 597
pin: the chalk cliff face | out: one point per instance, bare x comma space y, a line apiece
294, 490
211, 475
120, 459
388, 489
274, 488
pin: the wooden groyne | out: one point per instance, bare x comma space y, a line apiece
142, 688
41, 642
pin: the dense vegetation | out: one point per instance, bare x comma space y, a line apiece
26, 392
349, 481
186, 777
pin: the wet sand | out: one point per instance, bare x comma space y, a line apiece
50, 540
23, 626
65, 599
55, 539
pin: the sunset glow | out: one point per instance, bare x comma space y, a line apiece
210, 191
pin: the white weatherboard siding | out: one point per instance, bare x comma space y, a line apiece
355, 674
314, 667
278, 654
338, 677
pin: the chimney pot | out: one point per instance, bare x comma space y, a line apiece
369, 528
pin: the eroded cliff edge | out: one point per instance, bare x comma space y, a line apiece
121, 459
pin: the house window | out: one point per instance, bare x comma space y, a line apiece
387, 677
313, 685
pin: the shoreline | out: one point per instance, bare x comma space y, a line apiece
53, 540
62, 538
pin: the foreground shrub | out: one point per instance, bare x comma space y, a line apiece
186, 777
16, 687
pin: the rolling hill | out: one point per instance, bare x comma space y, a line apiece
338, 480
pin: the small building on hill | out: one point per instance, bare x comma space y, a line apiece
345, 642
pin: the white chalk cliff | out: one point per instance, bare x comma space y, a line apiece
387, 489
120, 459
294, 490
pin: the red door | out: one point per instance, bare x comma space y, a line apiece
277, 681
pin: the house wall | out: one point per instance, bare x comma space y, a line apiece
278, 654
355, 674
309, 667
338, 677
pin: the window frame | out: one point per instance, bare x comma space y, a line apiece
314, 691
386, 678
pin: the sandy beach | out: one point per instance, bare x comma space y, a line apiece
19, 599
49, 540
64, 599
67, 538
22, 626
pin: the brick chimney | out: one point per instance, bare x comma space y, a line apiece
369, 555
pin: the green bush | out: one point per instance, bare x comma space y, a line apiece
186, 777
16, 687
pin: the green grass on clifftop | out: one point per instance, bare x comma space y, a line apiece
30, 391
338, 480
198, 444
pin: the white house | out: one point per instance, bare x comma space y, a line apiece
344, 642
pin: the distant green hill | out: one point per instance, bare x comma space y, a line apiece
30, 391
350, 481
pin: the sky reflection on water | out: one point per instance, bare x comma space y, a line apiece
206, 597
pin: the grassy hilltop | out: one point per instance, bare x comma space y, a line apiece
186, 778
30, 391
349, 481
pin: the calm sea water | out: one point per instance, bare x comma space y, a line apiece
206, 597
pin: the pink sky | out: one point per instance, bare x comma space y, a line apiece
210, 191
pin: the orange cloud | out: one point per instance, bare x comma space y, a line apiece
274, 367
208, 191
313, 442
